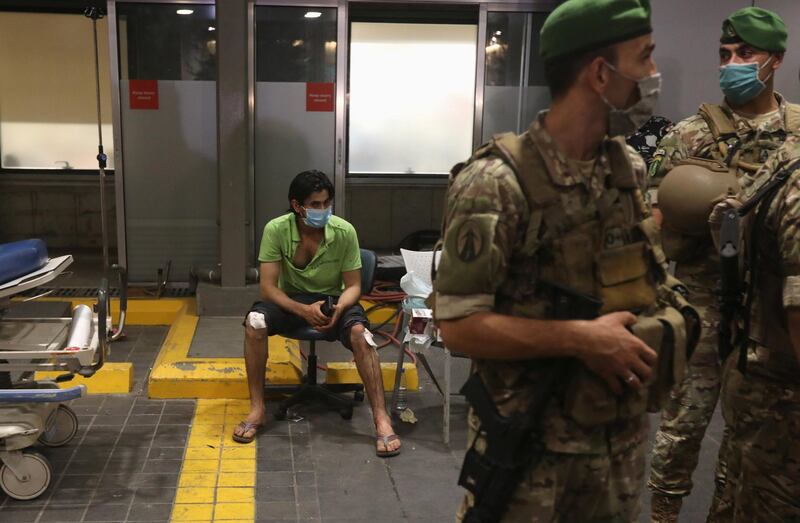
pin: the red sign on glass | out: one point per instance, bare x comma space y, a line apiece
144, 94
319, 96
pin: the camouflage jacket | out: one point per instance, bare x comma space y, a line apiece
492, 242
759, 136
692, 137
778, 275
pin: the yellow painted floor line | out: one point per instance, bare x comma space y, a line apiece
177, 375
218, 476
140, 311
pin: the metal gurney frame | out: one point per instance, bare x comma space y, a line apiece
31, 410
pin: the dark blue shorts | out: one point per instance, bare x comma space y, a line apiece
282, 322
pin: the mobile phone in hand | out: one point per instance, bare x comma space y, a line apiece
327, 307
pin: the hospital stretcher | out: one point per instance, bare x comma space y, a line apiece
33, 411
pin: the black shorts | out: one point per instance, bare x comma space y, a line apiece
280, 321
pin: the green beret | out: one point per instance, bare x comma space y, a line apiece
582, 25
757, 27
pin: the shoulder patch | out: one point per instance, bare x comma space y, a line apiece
469, 241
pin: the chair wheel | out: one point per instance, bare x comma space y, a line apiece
346, 412
358, 395
280, 414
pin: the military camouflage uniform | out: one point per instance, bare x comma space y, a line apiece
489, 263
762, 407
685, 418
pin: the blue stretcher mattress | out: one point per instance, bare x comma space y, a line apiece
20, 258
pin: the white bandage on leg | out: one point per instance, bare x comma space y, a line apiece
257, 320
370, 339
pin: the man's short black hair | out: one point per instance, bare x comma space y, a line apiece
308, 182
562, 72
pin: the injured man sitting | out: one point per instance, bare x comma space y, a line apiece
308, 255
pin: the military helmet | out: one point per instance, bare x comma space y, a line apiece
688, 192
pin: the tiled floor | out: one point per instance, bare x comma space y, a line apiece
125, 463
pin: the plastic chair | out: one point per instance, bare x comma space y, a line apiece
310, 390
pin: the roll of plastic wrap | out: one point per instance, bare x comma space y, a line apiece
80, 331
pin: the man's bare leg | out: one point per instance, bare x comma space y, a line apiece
369, 368
256, 352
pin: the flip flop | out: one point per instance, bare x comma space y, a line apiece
246, 427
386, 440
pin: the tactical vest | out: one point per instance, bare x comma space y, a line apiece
773, 344
738, 156
748, 156
607, 249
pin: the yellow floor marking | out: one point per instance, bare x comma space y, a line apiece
237, 511
140, 311
235, 494
192, 512
194, 495
112, 378
177, 375
197, 479
218, 477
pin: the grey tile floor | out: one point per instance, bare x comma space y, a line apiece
124, 464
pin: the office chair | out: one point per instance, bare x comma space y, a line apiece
309, 389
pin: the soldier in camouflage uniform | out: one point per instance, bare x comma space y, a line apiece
761, 405
563, 204
741, 132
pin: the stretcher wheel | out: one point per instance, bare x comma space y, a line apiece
280, 414
36, 474
358, 395
60, 428
346, 412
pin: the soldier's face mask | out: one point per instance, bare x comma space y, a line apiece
624, 122
317, 218
740, 82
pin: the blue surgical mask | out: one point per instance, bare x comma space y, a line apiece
740, 82
318, 218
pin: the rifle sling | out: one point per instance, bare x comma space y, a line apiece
763, 200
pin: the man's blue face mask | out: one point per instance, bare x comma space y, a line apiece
740, 82
318, 218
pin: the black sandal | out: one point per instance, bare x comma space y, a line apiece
387, 453
246, 427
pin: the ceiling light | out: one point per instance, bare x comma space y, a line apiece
212, 28
184, 11
313, 14
498, 33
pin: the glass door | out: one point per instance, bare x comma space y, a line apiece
168, 99
514, 90
295, 102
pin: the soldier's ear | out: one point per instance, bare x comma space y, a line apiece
597, 75
777, 60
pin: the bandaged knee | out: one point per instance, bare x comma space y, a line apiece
257, 320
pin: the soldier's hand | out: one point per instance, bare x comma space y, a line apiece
616, 355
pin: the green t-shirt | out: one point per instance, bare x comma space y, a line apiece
338, 253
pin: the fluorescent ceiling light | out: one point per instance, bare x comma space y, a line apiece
184, 11
313, 14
